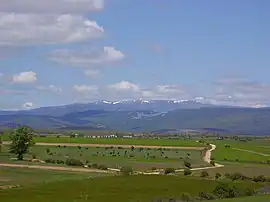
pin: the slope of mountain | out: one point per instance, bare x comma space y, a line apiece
242, 120
122, 105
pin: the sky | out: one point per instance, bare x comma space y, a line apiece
58, 52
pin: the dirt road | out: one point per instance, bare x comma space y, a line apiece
208, 154
61, 168
206, 158
112, 145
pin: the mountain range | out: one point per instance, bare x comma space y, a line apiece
143, 116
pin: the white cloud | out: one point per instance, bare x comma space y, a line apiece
31, 29
125, 86
87, 58
129, 90
27, 105
92, 73
50, 88
25, 77
51, 6
240, 91
86, 89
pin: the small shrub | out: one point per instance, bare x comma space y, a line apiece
217, 176
169, 170
59, 146
52, 161
74, 162
79, 147
102, 167
236, 176
126, 170
60, 161
206, 196
34, 156
260, 178
187, 164
187, 171
154, 168
204, 174
48, 150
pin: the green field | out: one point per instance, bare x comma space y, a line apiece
116, 141
29, 177
116, 157
254, 151
249, 170
113, 189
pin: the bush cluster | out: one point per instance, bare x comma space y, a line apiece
221, 191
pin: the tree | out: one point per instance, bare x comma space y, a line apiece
204, 174
21, 140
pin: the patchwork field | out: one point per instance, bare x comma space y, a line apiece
116, 157
141, 154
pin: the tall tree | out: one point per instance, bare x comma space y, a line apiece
21, 140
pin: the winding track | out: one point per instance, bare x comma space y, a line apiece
206, 158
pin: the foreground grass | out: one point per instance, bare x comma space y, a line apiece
113, 189
150, 142
28, 177
264, 198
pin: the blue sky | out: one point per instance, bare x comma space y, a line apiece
61, 52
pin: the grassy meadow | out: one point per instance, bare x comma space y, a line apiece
255, 151
114, 189
29, 177
116, 157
